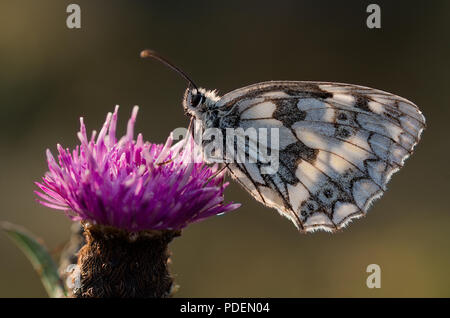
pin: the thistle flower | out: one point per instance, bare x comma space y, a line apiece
132, 185
133, 198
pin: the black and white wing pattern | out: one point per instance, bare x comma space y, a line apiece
339, 146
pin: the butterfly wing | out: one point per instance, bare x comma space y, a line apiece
339, 146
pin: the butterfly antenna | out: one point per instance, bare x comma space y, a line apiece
156, 56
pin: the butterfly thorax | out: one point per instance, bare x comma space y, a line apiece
202, 105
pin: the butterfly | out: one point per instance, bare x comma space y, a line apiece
339, 144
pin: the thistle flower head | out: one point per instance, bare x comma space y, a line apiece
131, 184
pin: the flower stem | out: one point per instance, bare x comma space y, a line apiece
117, 263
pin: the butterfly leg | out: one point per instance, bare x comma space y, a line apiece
223, 166
165, 162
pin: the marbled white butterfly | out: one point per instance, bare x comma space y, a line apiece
339, 144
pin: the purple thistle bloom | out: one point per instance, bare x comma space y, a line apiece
132, 185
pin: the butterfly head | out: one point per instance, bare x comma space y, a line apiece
197, 101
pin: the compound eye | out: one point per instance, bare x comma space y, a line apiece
196, 99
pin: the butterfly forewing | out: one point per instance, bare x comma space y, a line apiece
339, 145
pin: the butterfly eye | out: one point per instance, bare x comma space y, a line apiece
196, 100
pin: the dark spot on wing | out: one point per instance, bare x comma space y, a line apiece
295, 151
328, 193
342, 116
291, 156
393, 115
229, 121
343, 132
362, 102
308, 207
287, 112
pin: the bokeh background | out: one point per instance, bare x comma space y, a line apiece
51, 75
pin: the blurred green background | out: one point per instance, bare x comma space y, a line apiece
51, 75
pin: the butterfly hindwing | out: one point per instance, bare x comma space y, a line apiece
339, 146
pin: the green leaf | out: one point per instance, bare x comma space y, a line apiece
39, 258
